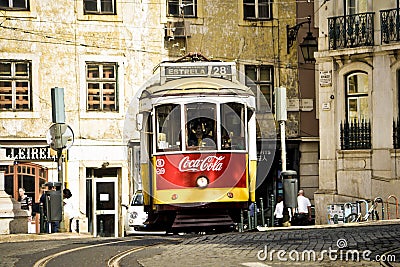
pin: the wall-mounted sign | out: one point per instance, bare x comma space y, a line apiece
306, 104
326, 106
293, 104
30, 153
325, 78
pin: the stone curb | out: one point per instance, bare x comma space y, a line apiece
40, 237
327, 226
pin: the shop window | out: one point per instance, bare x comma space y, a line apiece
29, 176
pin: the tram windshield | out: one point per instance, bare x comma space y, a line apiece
207, 126
168, 120
201, 126
232, 126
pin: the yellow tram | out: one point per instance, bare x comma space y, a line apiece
198, 146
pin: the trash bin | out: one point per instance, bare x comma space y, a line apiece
290, 188
53, 202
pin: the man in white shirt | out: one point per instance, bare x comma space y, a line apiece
278, 213
303, 207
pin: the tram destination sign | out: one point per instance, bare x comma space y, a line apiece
213, 69
186, 71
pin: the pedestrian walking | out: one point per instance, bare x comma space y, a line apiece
278, 213
303, 215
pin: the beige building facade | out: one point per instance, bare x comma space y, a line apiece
102, 53
358, 105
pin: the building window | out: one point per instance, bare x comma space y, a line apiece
257, 9
15, 86
261, 81
27, 175
101, 80
99, 6
14, 4
181, 8
356, 7
357, 97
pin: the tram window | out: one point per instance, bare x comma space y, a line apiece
168, 121
201, 126
232, 126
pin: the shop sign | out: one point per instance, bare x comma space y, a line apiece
30, 153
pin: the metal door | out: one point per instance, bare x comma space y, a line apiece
105, 219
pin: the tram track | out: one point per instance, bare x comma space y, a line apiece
388, 256
112, 262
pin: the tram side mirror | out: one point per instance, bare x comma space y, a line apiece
139, 121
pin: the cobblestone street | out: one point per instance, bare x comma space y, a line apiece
357, 245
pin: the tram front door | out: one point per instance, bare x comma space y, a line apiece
105, 220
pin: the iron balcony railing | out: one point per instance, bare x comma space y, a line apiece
351, 31
355, 135
390, 26
396, 134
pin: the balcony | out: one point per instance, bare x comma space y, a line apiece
355, 135
390, 26
351, 31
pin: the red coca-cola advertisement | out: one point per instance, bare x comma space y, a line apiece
223, 170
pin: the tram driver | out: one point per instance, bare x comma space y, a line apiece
199, 136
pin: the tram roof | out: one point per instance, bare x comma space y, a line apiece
198, 85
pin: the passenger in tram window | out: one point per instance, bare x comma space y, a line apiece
226, 139
198, 136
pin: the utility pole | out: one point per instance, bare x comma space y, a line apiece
60, 137
58, 117
281, 117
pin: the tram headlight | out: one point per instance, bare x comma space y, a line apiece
202, 181
133, 215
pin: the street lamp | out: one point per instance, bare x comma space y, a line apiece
309, 44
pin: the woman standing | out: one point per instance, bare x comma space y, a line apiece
26, 202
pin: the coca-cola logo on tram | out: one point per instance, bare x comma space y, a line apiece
223, 170
210, 163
